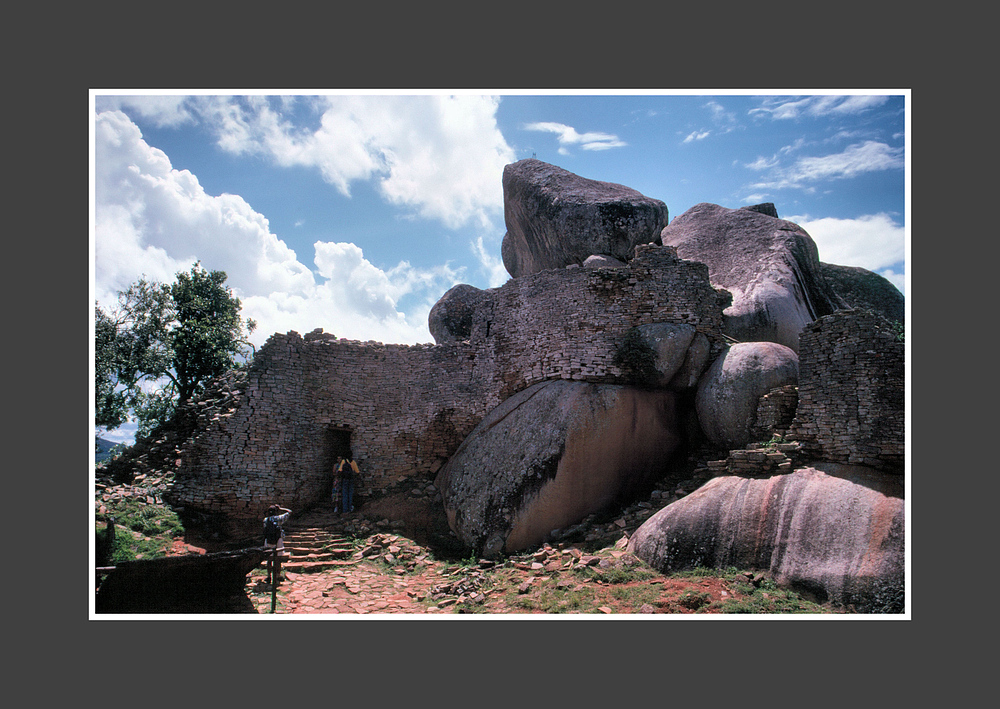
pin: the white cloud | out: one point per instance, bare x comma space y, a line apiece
567, 136
153, 220
873, 241
163, 110
442, 156
762, 163
870, 156
817, 106
897, 279
493, 265
696, 135
857, 159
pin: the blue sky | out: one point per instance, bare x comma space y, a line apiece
354, 212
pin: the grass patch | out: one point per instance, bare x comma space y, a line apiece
766, 598
636, 595
549, 599
142, 531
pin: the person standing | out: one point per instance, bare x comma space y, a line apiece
338, 487
274, 538
348, 473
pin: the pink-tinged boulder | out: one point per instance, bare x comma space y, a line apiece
552, 454
770, 265
729, 392
556, 218
838, 534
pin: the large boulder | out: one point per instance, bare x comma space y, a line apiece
730, 390
555, 218
837, 533
450, 320
681, 353
771, 266
866, 290
550, 455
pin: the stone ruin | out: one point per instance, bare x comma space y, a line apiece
619, 342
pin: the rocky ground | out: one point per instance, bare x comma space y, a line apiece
390, 574
385, 569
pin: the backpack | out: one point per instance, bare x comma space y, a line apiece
272, 530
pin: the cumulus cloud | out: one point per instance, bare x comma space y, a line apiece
874, 241
568, 136
153, 220
442, 156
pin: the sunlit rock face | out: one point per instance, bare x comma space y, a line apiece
556, 218
837, 533
552, 454
770, 265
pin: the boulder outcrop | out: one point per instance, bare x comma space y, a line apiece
771, 266
681, 354
552, 454
556, 218
450, 320
729, 392
574, 385
837, 533
866, 290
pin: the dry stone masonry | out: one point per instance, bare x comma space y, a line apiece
851, 406
631, 323
402, 410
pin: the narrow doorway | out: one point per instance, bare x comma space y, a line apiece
336, 446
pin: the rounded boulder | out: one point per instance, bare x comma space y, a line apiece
730, 390
552, 454
836, 533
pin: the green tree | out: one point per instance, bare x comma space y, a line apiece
162, 343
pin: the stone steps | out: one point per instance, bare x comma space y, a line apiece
311, 549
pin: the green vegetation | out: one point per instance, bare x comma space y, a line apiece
752, 593
141, 530
162, 342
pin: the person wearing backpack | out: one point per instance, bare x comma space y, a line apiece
274, 533
348, 469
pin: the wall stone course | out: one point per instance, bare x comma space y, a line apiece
273, 433
406, 408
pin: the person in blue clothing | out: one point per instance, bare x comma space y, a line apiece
347, 471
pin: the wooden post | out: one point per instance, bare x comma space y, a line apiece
274, 577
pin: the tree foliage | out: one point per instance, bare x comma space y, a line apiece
162, 343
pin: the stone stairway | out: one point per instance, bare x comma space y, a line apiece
311, 545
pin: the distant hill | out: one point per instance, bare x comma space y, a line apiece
104, 448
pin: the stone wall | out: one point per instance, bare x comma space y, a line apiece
568, 323
402, 410
776, 411
852, 387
